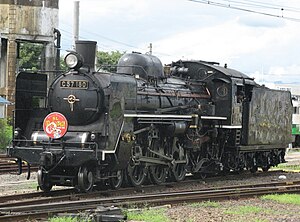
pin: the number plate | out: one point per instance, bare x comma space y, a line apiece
74, 84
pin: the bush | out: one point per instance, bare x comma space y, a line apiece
5, 133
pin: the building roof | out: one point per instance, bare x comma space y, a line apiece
4, 101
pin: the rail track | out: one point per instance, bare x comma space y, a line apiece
29, 206
44, 207
9, 165
142, 189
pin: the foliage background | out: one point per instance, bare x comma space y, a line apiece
30, 56
108, 60
5, 133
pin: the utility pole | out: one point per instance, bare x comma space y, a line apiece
150, 49
76, 23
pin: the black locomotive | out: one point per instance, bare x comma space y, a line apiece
147, 122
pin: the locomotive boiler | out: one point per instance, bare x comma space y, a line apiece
143, 122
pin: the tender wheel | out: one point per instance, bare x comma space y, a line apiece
158, 174
178, 172
253, 169
116, 181
85, 179
265, 169
200, 175
137, 174
43, 181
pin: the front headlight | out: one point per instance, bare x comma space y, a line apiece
17, 132
73, 60
93, 136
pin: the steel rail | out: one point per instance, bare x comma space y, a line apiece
21, 199
15, 200
9, 165
37, 210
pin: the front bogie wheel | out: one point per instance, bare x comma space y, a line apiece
85, 179
44, 180
116, 179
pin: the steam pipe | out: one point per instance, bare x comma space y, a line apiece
58, 39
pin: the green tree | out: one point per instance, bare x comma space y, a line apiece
5, 133
108, 60
30, 56
63, 65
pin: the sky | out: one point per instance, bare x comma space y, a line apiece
257, 37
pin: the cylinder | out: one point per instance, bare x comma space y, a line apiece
177, 128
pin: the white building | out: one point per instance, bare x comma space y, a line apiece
3, 103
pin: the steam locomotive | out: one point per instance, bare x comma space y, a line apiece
146, 122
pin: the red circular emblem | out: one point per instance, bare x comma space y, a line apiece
55, 125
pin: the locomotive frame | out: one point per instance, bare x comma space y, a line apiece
141, 123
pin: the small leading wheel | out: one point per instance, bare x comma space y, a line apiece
43, 181
178, 172
117, 180
136, 174
85, 179
158, 174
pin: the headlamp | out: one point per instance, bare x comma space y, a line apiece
17, 132
93, 136
73, 60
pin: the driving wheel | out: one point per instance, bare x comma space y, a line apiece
178, 172
158, 174
137, 174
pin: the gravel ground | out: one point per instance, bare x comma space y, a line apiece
236, 210
225, 211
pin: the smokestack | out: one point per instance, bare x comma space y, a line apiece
87, 49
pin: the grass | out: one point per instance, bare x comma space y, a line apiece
260, 220
64, 219
158, 215
283, 198
242, 210
252, 220
206, 204
69, 219
148, 215
284, 166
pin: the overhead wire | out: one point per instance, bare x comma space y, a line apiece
276, 6
110, 40
262, 5
231, 4
236, 7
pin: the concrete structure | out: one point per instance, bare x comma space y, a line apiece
294, 88
24, 20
